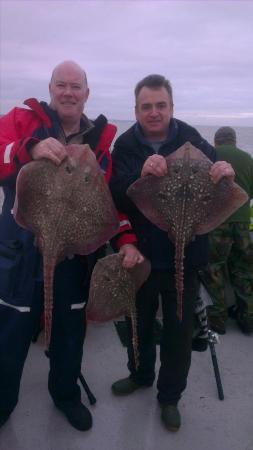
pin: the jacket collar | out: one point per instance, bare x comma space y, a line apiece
50, 119
171, 135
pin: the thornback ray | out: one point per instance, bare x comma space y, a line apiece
113, 291
68, 208
185, 202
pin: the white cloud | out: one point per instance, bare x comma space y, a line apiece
203, 47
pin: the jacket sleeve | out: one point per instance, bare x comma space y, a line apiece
126, 168
251, 177
191, 134
15, 143
125, 235
208, 149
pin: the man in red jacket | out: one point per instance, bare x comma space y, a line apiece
42, 131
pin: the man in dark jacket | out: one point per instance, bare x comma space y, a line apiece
138, 152
43, 131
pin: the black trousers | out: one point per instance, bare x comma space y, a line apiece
67, 337
175, 347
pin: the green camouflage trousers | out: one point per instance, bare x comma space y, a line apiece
231, 258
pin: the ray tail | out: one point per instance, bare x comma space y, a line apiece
48, 273
135, 339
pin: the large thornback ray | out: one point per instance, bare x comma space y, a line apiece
112, 292
185, 202
69, 209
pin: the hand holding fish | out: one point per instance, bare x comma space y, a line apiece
51, 149
131, 256
154, 165
69, 209
113, 291
221, 169
188, 200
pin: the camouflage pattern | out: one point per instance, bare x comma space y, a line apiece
251, 218
231, 258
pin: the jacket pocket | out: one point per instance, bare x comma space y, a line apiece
10, 266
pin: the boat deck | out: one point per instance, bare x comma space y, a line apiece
133, 422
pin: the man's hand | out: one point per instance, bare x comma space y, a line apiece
51, 149
221, 169
154, 165
131, 256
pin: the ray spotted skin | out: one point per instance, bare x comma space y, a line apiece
185, 202
112, 292
68, 208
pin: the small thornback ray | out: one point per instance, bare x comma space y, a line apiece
185, 202
112, 292
69, 209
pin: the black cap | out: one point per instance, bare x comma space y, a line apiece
225, 135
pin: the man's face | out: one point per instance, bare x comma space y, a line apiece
68, 92
153, 111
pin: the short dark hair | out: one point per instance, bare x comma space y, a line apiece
225, 135
154, 81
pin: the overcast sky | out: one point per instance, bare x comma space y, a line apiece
204, 47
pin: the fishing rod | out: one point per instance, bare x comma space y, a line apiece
212, 337
212, 340
91, 397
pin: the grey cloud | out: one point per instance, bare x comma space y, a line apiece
204, 48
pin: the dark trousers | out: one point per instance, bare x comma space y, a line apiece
175, 347
66, 347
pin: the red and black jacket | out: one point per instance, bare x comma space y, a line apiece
20, 129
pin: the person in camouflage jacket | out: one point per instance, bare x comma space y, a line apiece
230, 246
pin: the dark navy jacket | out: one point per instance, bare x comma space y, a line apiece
128, 156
